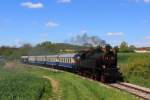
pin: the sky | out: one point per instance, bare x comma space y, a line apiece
34, 21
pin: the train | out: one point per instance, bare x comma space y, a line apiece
97, 63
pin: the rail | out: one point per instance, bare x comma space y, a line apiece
143, 93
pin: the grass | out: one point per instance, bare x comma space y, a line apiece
135, 68
72, 87
26, 82
15, 85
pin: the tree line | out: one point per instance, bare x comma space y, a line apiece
44, 48
47, 48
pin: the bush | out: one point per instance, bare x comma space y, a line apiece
135, 67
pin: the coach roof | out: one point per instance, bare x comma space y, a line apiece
67, 55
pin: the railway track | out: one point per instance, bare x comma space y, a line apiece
141, 92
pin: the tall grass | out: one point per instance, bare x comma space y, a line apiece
135, 67
21, 86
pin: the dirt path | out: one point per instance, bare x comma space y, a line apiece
55, 88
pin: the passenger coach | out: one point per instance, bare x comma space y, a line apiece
62, 61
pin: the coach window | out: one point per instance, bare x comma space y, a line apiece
68, 60
64, 60
61, 60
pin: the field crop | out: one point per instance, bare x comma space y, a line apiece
135, 67
20, 86
64, 86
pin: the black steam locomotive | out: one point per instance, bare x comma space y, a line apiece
97, 63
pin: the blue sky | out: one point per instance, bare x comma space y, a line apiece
33, 21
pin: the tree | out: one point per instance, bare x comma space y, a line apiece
25, 49
132, 48
46, 44
124, 47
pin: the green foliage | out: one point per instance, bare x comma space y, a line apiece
44, 48
21, 86
132, 48
135, 67
125, 48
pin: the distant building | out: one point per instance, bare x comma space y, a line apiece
141, 50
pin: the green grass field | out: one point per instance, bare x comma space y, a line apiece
135, 67
27, 82
16, 85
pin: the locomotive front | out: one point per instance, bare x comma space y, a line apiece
109, 70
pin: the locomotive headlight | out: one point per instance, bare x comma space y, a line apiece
103, 66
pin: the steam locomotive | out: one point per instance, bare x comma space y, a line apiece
97, 63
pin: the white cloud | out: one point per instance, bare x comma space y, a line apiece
83, 32
51, 24
140, 1
147, 1
147, 37
115, 33
142, 44
32, 5
64, 1
134, 1
19, 42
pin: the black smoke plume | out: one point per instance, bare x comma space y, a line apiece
85, 40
